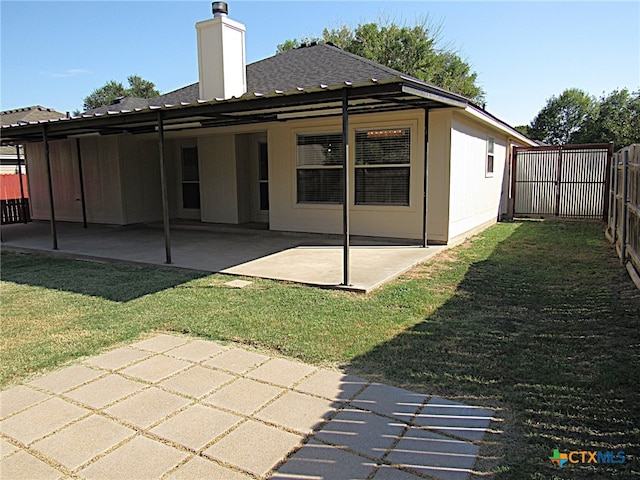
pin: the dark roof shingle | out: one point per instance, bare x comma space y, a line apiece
29, 114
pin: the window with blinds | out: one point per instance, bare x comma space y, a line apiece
319, 177
382, 169
490, 157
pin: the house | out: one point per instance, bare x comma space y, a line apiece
8, 154
267, 142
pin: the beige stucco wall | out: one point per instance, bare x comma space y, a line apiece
392, 221
218, 180
439, 174
474, 195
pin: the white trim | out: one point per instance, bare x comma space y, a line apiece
484, 117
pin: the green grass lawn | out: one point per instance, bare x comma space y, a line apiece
536, 320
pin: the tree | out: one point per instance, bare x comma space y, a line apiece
105, 95
562, 118
617, 120
410, 50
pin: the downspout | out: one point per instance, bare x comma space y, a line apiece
54, 234
425, 179
22, 203
345, 192
82, 199
165, 201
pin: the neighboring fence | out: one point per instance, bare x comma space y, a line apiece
567, 181
623, 227
15, 211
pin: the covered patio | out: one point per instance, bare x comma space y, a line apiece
310, 259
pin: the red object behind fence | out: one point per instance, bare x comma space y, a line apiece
10, 186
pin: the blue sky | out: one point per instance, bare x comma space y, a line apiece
55, 53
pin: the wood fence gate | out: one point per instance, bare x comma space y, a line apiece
623, 226
567, 181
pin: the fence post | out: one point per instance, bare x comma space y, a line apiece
613, 215
623, 235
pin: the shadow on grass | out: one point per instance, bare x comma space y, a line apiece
546, 329
115, 282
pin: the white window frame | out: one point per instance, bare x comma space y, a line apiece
490, 158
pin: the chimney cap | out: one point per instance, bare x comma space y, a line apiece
219, 8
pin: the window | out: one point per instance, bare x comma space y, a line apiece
490, 149
319, 168
382, 169
190, 178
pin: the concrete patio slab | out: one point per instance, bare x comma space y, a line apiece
218, 413
310, 259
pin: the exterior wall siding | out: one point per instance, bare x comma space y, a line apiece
475, 196
381, 221
101, 169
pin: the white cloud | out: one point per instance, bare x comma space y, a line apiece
71, 72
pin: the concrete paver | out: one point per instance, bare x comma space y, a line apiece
316, 460
80, 442
22, 466
199, 468
297, 411
140, 458
203, 410
240, 446
14, 400
104, 391
196, 381
40, 420
147, 407
454, 418
196, 351
363, 432
281, 372
156, 368
434, 454
244, 396
196, 427
390, 401
334, 386
66, 379
236, 360
118, 358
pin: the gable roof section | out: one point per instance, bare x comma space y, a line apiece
34, 113
304, 67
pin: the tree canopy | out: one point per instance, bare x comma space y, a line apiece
105, 95
410, 50
576, 117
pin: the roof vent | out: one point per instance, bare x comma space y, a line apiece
219, 8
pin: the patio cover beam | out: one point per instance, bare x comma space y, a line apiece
23, 207
165, 201
425, 178
54, 233
82, 197
345, 192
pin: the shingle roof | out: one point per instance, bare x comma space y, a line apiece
28, 114
307, 66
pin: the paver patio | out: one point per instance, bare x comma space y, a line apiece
175, 407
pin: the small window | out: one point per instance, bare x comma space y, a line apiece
490, 156
190, 178
382, 170
319, 175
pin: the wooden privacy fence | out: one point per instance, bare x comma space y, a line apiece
623, 225
567, 181
15, 210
